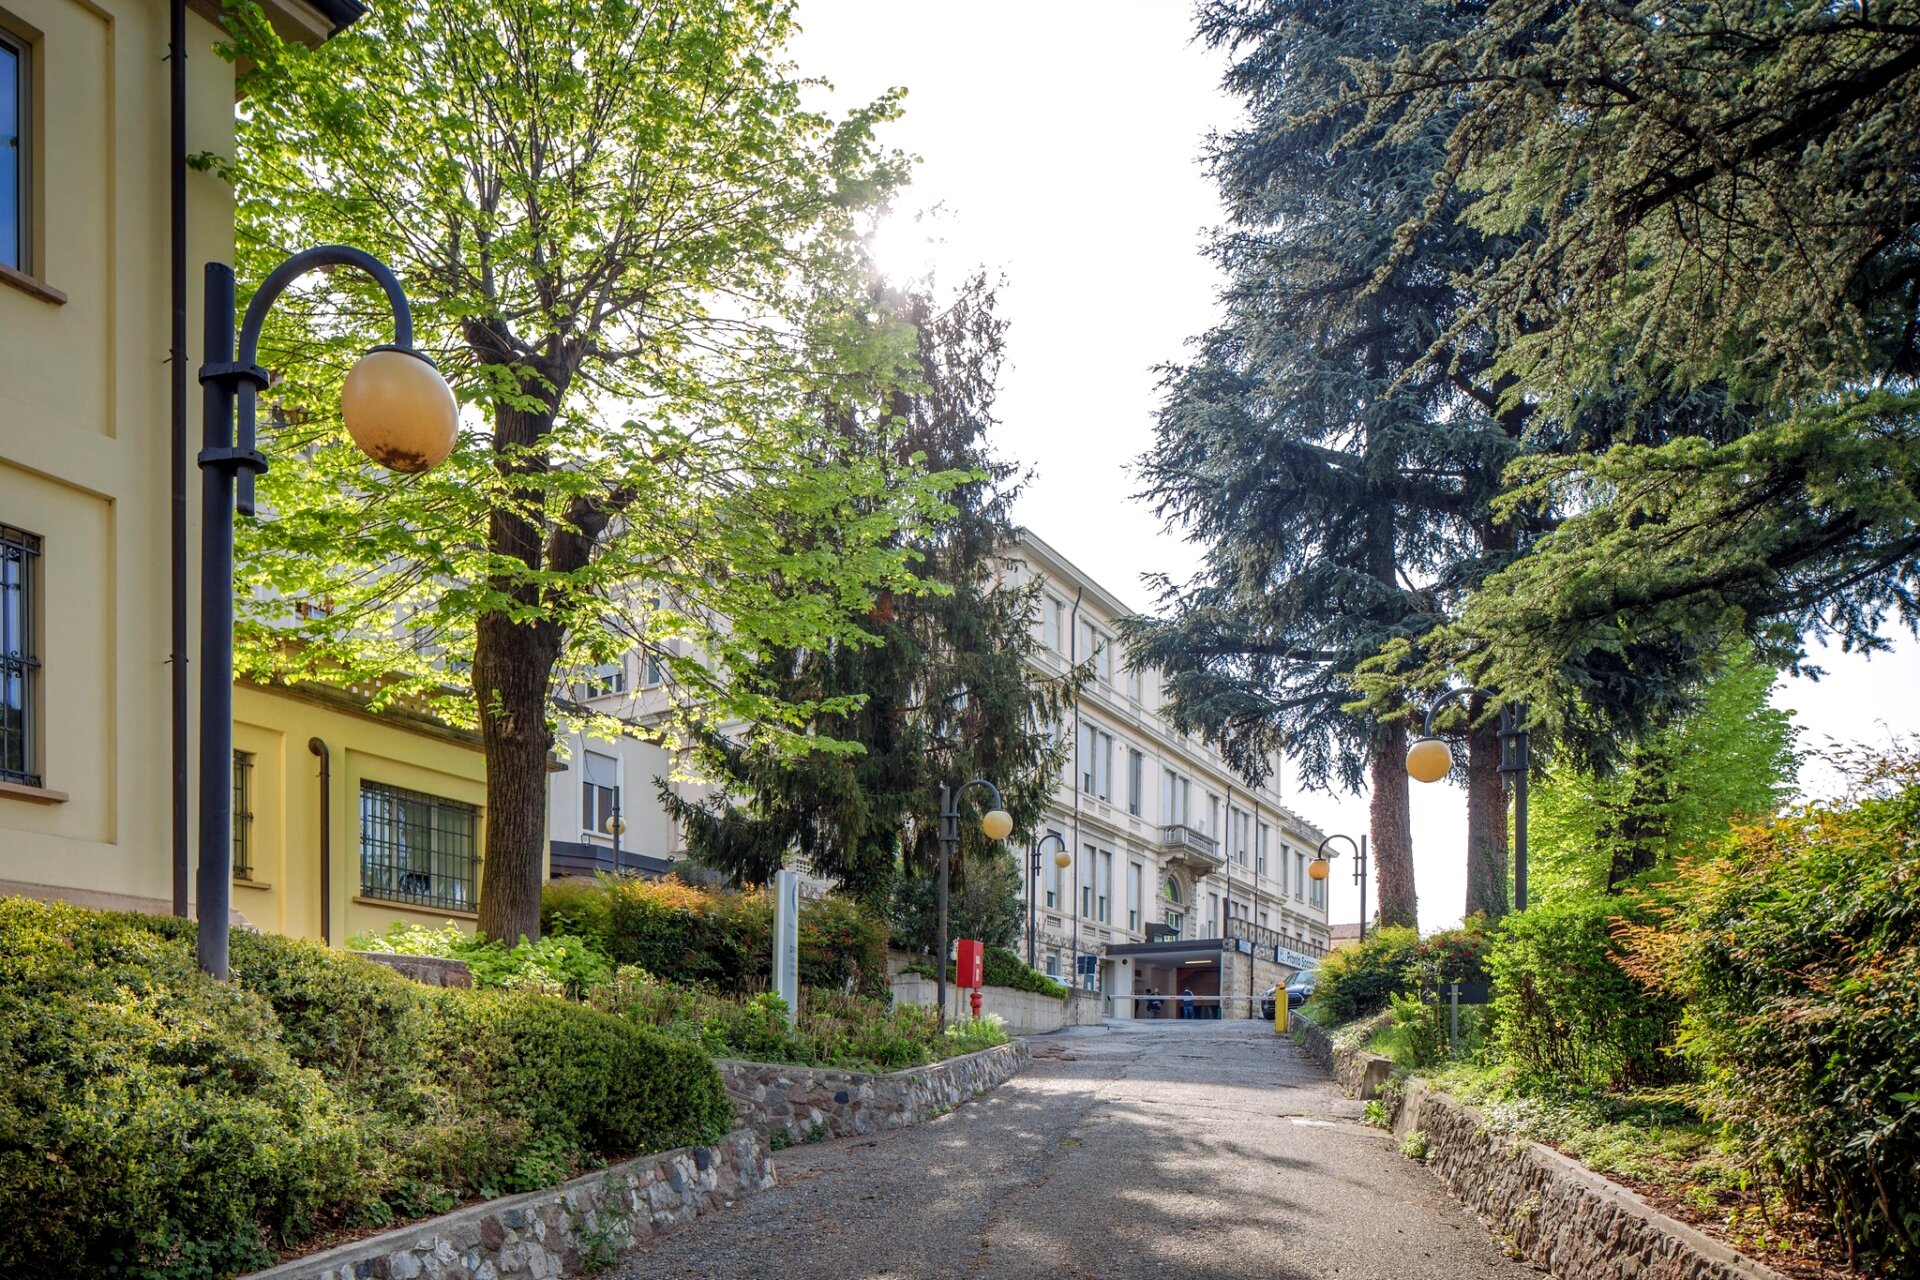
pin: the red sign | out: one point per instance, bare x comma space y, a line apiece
971, 963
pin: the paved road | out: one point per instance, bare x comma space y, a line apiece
1200, 1150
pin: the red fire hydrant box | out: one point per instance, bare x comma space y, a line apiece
970, 964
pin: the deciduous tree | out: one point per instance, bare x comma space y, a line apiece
630, 245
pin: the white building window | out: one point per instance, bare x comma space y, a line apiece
1135, 873
1135, 681
1053, 633
1136, 781
1213, 915
1174, 793
1262, 839
1088, 860
1052, 874
599, 792
1103, 907
1299, 874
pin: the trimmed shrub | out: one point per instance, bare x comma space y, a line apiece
1566, 1011
685, 934
1797, 950
558, 963
831, 1029
1359, 980
157, 1124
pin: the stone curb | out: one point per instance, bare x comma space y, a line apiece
588, 1222
1551, 1210
809, 1103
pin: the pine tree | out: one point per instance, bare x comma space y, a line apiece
1339, 485
944, 690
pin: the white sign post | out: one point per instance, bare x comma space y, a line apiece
786, 940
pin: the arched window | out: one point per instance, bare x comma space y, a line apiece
1173, 889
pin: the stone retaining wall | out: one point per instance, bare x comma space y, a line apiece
583, 1224
1550, 1210
1555, 1212
431, 971
811, 1102
1359, 1073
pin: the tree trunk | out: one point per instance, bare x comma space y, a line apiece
1392, 828
513, 664
512, 670
1486, 823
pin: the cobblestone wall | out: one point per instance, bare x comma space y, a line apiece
432, 971
583, 1224
808, 1102
1550, 1210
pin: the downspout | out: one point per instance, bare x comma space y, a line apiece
177, 437
1073, 648
319, 748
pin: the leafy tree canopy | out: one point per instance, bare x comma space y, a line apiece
633, 249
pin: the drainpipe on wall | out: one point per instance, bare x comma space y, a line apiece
319, 748
1073, 647
177, 437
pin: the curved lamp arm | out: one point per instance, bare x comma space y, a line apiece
961, 790
1440, 704
1321, 852
252, 378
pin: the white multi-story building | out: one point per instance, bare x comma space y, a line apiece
1177, 868
1180, 877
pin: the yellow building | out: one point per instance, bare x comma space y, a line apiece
85, 585
346, 821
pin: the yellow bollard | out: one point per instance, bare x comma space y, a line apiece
1280, 1012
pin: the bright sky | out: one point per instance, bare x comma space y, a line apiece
1059, 145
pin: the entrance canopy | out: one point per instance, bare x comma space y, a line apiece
1162, 971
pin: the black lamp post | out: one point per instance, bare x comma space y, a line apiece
1317, 869
1033, 894
397, 408
1429, 759
996, 824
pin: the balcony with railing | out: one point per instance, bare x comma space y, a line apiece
1201, 852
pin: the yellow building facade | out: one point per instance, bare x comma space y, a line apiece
85, 583
346, 821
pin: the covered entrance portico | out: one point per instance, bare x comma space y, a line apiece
1163, 970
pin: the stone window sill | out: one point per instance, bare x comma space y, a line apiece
419, 908
31, 285
239, 883
32, 795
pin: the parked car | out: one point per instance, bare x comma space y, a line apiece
1266, 1003
1300, 987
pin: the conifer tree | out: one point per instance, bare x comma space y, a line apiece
942, 691
1339, 486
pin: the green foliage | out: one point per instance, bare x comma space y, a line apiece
1566, 1011
681, 933
556, 963
831, 1029
1359, 980
1797, 952
1422, 1032
985, 905
1730, 756
949, 692
1701, 206
634, 250
162, 1125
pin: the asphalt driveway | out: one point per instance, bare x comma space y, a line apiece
1200, 1150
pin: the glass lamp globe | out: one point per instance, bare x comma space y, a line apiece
616, 826
399, 410
1062, 859
1317, 869
1429, 760
996, 824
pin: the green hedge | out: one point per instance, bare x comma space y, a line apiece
157, 1124
720, 939
1797, 952
1359, 980
1566, 1011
